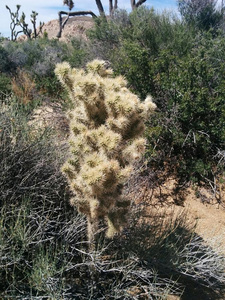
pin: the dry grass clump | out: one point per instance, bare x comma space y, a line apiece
23, 87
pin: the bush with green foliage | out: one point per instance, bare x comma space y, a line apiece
133, 42
5, 86
5, 63
183, 69
202, 14
194, 114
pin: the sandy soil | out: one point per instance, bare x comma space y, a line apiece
199, 205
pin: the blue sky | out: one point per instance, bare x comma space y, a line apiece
48, 9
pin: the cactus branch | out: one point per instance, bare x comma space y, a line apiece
107, 126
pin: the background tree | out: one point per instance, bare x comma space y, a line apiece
70, 4
135, 4
69, 14
18, 21
201, 13
14, 19
113, 5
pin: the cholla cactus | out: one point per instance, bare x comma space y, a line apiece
107, 126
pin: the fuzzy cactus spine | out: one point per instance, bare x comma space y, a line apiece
106, 126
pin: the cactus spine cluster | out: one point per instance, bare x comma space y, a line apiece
106, 126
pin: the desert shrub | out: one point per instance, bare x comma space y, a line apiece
193, 118
104, 38
201, 14
5, 86
5, 64
135, 65
182, 69
138, 57
39, 57
24, 53
150, 29
35, 218
36, 241
132, 43
23, 87
16, 54
77, 53
52, 54
22, 149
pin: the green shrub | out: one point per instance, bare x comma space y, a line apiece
183, 70
39, 57
193, 105
133, 42
201, 14
5, 64
5, 86
77, 53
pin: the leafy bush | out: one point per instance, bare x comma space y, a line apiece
5, 86
183, 70
77, 53
194, 116
5, 64
201, 14
133, 42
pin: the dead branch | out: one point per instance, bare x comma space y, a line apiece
136, 5
71, 14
